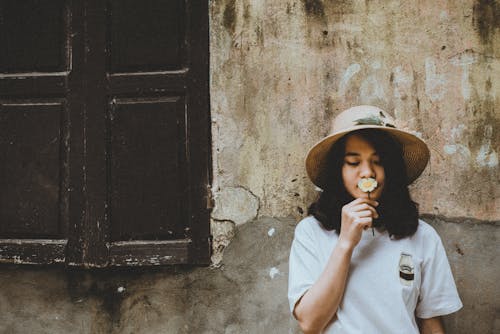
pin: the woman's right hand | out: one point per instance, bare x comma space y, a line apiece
357, 216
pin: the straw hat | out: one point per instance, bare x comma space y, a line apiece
415, 152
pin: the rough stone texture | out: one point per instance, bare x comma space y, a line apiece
281, 70
44, 300
247, 294
222, 233
473, 252
235, 204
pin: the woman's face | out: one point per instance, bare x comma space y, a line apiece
361, 161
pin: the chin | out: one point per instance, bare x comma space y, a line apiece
359, 194
373, 196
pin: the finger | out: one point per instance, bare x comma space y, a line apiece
361, 200
355, 202
366, 227
364, 222
365, 207
371, 202
362, 206
366, 213
361, 214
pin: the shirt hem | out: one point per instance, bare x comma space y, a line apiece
295, 301
440, 312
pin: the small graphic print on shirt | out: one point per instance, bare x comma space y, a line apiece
406, 269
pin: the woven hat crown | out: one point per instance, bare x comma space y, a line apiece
361, 115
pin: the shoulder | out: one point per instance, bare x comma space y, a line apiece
307, 225
310, 227
426, 231
427, 237
311, 236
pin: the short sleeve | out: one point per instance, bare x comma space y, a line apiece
438, 292
304, 265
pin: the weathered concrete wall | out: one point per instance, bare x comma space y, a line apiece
246, 294
281, 70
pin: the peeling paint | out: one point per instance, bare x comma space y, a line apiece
273, 272
402, 82
348, 74
450, 149
487, 156
434, 82
463, 155
371, 90
464, 60
457, 132
376, 65
236, 204
222, 233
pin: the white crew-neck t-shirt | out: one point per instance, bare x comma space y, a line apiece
389, 281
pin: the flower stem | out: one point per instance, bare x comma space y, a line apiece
373, 230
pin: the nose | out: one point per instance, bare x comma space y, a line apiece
367, 170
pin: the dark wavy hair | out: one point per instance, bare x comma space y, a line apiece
398, 213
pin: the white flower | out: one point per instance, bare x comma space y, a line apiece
367, 184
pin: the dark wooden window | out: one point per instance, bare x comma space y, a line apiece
104, 132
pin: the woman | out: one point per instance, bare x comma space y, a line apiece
363, 262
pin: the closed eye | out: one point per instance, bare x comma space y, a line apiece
352, 163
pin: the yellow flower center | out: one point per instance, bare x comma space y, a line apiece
367, 184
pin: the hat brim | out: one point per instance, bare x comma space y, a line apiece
415, 153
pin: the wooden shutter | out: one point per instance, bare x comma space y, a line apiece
109, 116
34, 127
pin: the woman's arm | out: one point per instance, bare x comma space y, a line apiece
431, 326
319, 304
